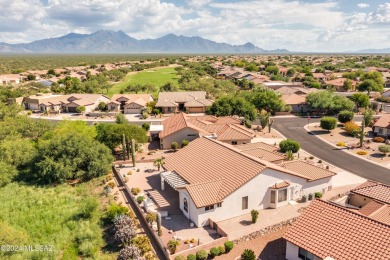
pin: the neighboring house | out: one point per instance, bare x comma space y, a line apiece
296, 102
215, 181
326, 230
129, 103
62, 103
190, 101
387, 83
263, 151
320, 77
287, 90
10, 79
382, 126
181, 127
338, 84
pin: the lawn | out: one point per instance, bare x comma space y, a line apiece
53, 217
157, 77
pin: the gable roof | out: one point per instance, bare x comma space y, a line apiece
294, 99
383, 121
263, 151
176, 123
374, 190
206, 160
140, 99
328, 230
171, 98
310, 172
260, 145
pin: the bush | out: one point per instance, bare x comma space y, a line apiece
384, 149
146, 126
345, 116
115, 210
140, 199
362, 152
135, 191
214, 252
328, 123
172, 246
191, 257
248, 254
351, 128
222, 250
378, 139
111, 185
184, 143
248, 124
192, 240
289, 145
341, 144
130, 173
317, 194
151, 217
255, 215
180, 257
202, 255
143, 243
174, 146
228, 246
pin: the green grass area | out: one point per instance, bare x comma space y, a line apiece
157, 77
55, 217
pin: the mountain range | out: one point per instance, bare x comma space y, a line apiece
105, 41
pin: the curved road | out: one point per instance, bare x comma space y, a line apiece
293, 128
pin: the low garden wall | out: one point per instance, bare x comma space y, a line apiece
215, 243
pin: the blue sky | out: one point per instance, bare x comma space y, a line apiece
317, 25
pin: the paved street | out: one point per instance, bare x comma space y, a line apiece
293, 128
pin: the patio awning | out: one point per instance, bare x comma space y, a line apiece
174, 179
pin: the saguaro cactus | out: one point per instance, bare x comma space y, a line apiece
124, 147
133, 151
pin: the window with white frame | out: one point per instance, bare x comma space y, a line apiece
282, 195
273, 196
207, 208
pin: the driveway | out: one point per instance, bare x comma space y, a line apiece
293, 128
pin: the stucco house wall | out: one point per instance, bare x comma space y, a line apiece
186, 133
133, 108
259, 196
358, 200
245, 141
292, 252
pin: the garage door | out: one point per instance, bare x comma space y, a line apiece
195, 109
72, 109
132, 111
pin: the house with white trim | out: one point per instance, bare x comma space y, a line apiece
217, 181
129, 103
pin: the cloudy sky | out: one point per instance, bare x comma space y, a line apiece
315, 25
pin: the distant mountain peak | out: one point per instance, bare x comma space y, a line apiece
106, 41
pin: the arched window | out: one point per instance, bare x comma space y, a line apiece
185, 204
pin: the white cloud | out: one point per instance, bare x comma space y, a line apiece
363, 5
291, 24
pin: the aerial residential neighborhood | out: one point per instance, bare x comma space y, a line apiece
195, 130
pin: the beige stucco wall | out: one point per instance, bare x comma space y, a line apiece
245, 141
178, 137
165, 110
358, 200
132, 108
292, 252
259, 196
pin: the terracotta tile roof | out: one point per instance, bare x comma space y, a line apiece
382, 215
294, 99
172, 98
374, 190
328, 230
176, 123
339, 82
311, 172
280, 185
370, 208
383, 121
206, 193
264, 146
140, 99
233, 132
227, 120
198, 103
266, 155
208, 160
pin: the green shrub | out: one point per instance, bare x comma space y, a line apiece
146, 126
88, 208
318, 194
180, 257
328, 123
115, 210
202, 255
378, 139
351, 128
345, 116
254, 215
191, 257
143, 243
140, 199
384, 149
135, 191
248, 123
289, 145
151, 217
172, 246
184, 143
111, 185
174, 146
214, 252
228, 246
222, 250
248, 254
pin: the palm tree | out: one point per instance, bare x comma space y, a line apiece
158, 163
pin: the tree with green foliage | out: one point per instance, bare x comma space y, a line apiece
368, 116
385, 149
248, 254
272, 70
120, 119
169, 87
264, 118
230, 105
102, 106
327, 101
174, 146
347, 85
328, 123
7, 173
370, 85
265, 99
361, 100
71, 157
341, 103
80, 109
345, 116
289, 145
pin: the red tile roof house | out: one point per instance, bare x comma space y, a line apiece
129, 103
190, 101
382, 126
181, 127
329, 231
215, 181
